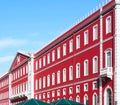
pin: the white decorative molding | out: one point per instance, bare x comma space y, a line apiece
117, 54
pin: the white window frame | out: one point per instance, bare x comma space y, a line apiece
44, 82
85, 99
108, 25
85, 87
44, 60
48, 80
53, 78
78, 42
40, 83
71, 73
78, 91
86, 67
53, 93
95, 64
78, 70
36, 63
93, 98
94, 85
70, 90
71, 45
95, 32
58, 92
37, 84
64, 75
106, 58
86, 37
48, 58
64, 91
53, 55
58, 52
77, 98
58, 77
40, 63
64, 49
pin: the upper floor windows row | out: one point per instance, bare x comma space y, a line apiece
3, 83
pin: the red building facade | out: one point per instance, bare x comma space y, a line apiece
81, 65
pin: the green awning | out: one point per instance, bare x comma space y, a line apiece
65, 102
33, 102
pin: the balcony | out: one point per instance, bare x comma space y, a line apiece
106, 72
19, 96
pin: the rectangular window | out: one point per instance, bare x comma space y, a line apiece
48, 95
95, 32
36, 65
70, 90
86, 37
71, 46
78, 42
36, 84
48, 58
71, 73
53, 93
64, 75
95, 64
40, 83
64, 49
85, 87
85, 67
58, 92
44, 60
58, 53
40, 63
53, 55
48, 80
95, 85
44, 82
64, 91
108, 24
78, 89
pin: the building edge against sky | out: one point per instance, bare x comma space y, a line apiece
72, 65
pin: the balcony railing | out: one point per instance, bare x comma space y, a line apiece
106, 72
22, 94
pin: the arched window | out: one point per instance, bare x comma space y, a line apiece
58, 77
95, 64
85, 67
108, 96
64, 75
108, 24
53, 78
85, 99
94, 99
77, 98
48, 80
71, 73
78, 70
70, 98
44, 82
108, 58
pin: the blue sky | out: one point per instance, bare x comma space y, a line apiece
28, 25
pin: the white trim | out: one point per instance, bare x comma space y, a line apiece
93, 100
86, 37
95, 32
108, 25
77, 41
95, 64
86, 67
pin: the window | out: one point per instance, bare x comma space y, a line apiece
64, 49
58, 77
95, 32
53, 55
77, 98
85, 67
37, 84
58, 92
95, 64
108, 57
86, 37
40, 63
48, 58
64, 91
71, 73
44, 82
95, 85
48, 95
48, 80
44, 60
85, 87
78, 70
58, 53
86, 99
78, 42
36, 65
94, 99
78, 89
108, 24
64, 75
53, 78
71, 46
40, 83
53, 93
43, 95
70, 90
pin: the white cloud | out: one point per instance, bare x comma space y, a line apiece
6, 59
8, 42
